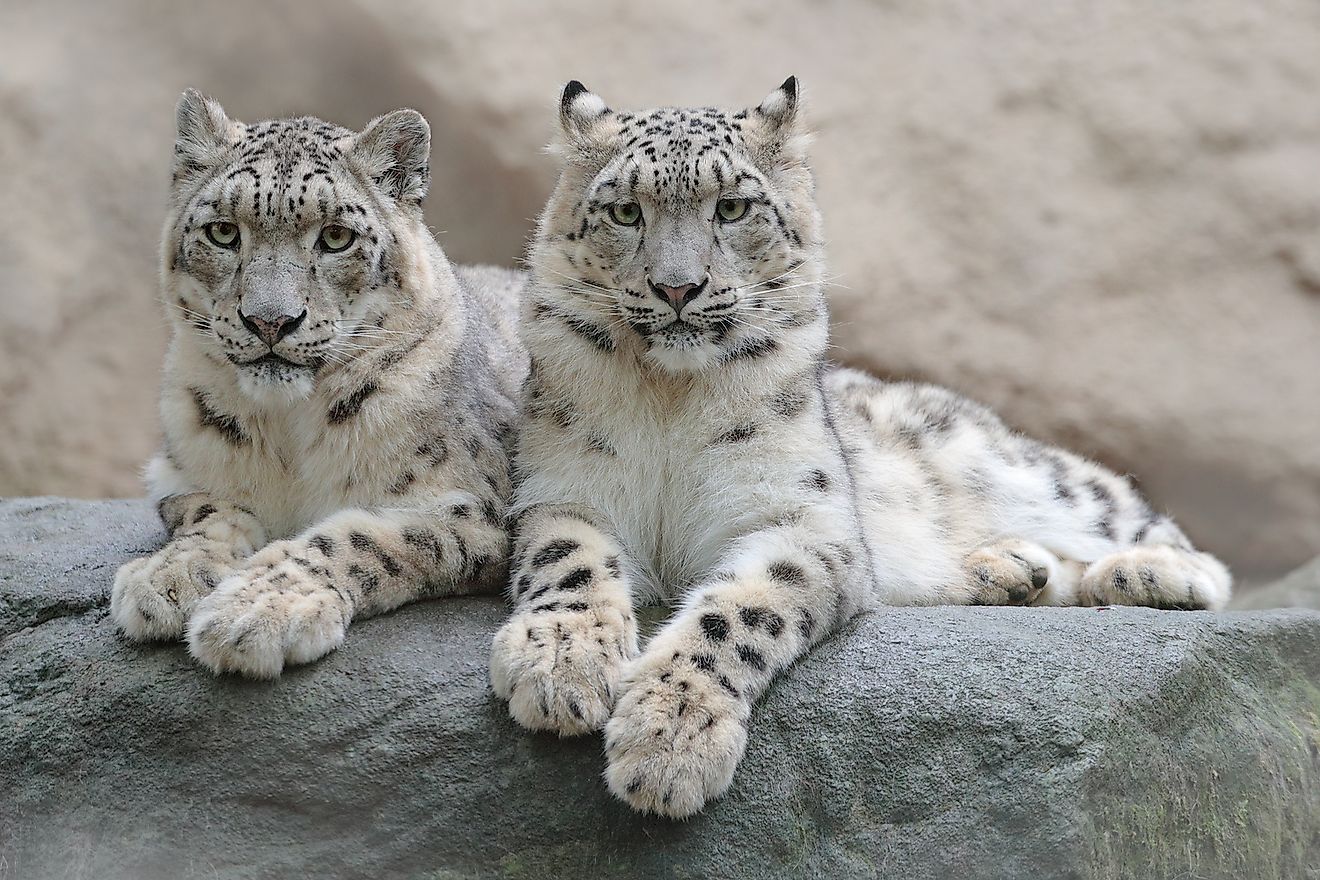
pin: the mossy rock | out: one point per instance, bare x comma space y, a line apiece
918, 743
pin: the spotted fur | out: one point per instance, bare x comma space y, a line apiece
687, 441
336, 420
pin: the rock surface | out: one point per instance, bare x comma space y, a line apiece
1102, 219
948, 742
1301, 589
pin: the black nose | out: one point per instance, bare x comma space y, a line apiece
271, 332
678, 296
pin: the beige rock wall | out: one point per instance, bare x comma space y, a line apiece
1104, 219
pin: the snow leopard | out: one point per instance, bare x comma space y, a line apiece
337, 402
687, 441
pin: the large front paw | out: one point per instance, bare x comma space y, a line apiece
257, 621
676, 736
153, 596
559, 667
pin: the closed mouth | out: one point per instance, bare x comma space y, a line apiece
270, 359
679, 333
678, 325
684, 326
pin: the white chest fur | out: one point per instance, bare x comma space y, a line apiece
678, 471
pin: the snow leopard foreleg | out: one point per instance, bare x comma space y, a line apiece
152, 597
680, 726
558, 659
293, 600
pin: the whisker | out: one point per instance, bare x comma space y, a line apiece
372, 328
372, 333
586, 294
373, 336
582, 281
779, 287
789, 271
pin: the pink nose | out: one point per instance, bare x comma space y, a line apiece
677, 296
271, 332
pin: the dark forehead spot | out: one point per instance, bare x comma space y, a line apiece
282, 171
290, 150
677, 156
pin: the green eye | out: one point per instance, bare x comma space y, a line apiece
626, 213
730, 210
336, 238
222, 234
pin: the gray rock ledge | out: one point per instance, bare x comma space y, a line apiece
932, 743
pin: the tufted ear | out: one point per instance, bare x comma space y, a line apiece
781, 134
396, 150
580, 114
780, 107
204, 132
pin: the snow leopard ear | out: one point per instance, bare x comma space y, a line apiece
205, 131
580, 112
780, 107
395, 150
781, 135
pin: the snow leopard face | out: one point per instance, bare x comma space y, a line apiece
694, 229
279, 252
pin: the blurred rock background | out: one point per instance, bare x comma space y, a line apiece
1102, 219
